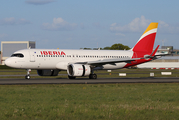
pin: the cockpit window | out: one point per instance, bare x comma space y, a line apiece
17, 55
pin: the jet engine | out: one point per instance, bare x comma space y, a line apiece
78, 70
48, 72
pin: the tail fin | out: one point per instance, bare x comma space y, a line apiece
146, 42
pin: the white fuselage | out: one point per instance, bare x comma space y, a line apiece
59, 59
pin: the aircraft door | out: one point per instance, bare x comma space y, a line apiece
32, 56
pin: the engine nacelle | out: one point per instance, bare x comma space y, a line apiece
48, 72
78, 70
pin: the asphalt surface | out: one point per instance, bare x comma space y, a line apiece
17, 81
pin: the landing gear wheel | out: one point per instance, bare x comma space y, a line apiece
92, 76
71, 77
28, 74
27, 77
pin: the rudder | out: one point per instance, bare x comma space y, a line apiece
146, 42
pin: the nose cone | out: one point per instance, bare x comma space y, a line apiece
8, 62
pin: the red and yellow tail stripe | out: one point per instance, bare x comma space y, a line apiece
151, 27
146, 41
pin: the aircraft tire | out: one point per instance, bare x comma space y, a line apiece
27, 77
92, 76
71, 77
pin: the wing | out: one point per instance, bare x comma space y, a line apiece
107, 61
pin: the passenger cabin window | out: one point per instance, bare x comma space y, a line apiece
17, 55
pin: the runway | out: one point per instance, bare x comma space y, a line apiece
17, 81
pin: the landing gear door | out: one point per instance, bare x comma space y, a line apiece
32, 56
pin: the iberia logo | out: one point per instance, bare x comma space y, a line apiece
52, 53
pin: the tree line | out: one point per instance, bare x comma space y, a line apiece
118, 46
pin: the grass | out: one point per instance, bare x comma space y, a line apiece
5, 67
99, 101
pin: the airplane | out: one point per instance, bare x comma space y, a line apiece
78, 63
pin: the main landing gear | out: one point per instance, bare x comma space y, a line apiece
28, 74
92, 76
71, 77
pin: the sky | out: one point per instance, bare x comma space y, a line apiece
78, 24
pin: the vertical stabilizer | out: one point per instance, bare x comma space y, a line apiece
146, 42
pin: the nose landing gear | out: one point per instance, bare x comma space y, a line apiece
28, 74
